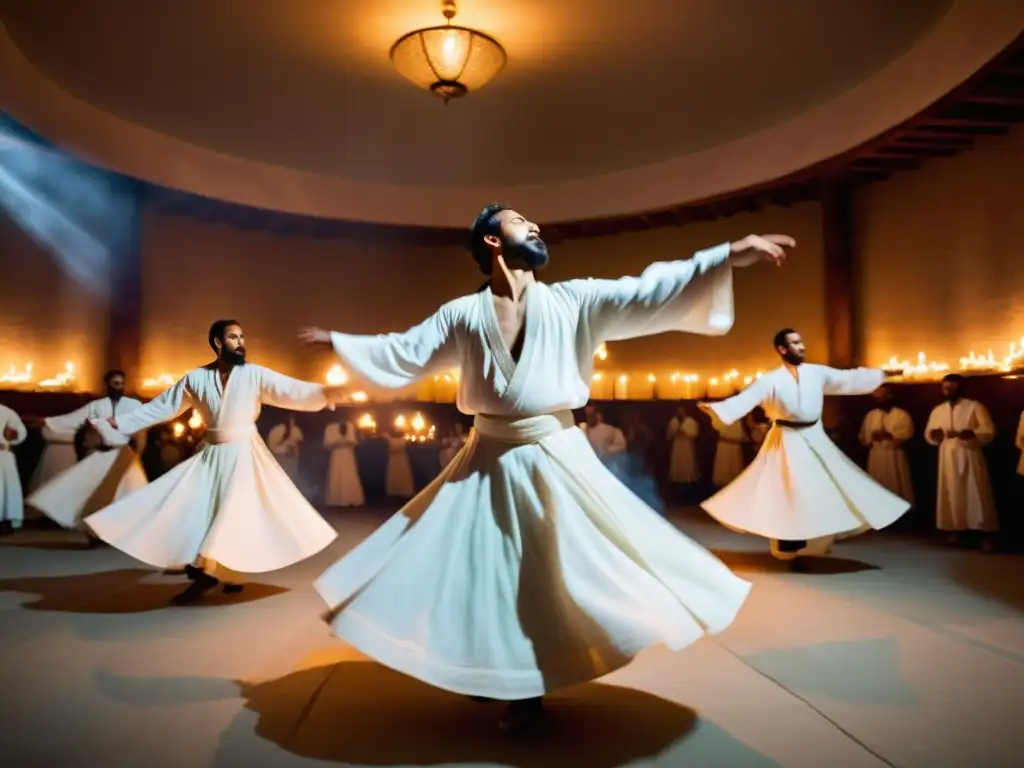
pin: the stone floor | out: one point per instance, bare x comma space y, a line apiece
891, 652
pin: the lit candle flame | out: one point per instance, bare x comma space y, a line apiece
195, 421
179, 429
63, 379
163, 381
359, 397
366, 421
418, 422
336, 376
14, 377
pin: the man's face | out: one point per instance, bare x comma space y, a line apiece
951, 390
519, 242
232, 348
115, 385
794, 351
883, 398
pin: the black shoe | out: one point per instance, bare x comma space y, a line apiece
92, 542
6, 528
199, 587
232, 589
192, 573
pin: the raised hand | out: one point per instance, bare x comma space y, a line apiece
10, 433
315, 337
770, 248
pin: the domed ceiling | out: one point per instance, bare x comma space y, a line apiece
295, 105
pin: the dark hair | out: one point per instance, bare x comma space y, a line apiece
112, 373
781, 338
955, 377
485, 224
218, 329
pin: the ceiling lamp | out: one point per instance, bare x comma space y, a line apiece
449, 60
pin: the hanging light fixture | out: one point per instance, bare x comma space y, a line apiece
449, 60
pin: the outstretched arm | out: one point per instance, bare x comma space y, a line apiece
282, 391
394, 360
169, 404
856, 381
61, 429
692, 295
736, 407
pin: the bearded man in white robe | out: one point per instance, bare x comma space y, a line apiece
230, 508
961, 427
884, 431
525, 566
801, 491
59, 431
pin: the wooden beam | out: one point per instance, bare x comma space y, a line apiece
840, 274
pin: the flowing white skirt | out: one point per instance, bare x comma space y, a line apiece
56, 458
802, 487
398, 479
88, 486
230, 503
523, 568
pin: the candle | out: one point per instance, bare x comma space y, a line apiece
425, 389
359, 397
179, 429
336, 376
600, 387
16, 379
620, 390
446, 389
601, 353
731, 380
195, 421
719, 388
418, 423
62, 380
367, 423
161, 382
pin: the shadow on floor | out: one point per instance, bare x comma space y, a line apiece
120, 591
763, 562
997, 577
362, 713
57, 541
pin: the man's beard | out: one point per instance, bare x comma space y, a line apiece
233, 357
115, 394
531, 253
793, 358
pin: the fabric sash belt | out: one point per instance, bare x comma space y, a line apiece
221, 435
522, 431
795, 424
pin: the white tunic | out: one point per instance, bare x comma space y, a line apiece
12, 508
606, 439
526, 566
683, 467
285, 448
801, 486
59, 434
964, 500
728, 452
1019, 441
230, 503
344, 488
887, 461
398, 479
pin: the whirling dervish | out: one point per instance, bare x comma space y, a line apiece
229, 509
525, 566
801, 491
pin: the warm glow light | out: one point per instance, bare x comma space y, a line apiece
597, 377
17, 377
366, 421
418, 422
179, 429
63, 379
359, 397
163, 381
623, 378
450, 61
399, 421
601, 353
337, 376
652, 378
195, 421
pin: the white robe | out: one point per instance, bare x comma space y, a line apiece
1019, 442
525, 566
801, 486
12, 507
344, 488
286, 449
729, 461
682, 466
964, 500
606, 439
90, 485
59, 434
887, 461
450, 448
230, 505
398, 479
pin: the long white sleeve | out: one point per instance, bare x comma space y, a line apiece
395, 360
282, 391
61, 429
736, 407
933, 424
865, 436
902, 426
985, 429
169, 404
9, 419
692, 295
855, 381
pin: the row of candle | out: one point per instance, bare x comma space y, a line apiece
932, 370
13, 378
415, 429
